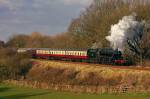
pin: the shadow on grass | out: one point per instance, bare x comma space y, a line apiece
6, 89
23, 96
3, 89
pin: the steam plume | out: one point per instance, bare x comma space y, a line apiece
127, 28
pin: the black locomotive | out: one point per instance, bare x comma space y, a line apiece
107, 56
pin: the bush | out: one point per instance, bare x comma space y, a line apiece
12, 64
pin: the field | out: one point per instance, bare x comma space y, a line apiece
13, 92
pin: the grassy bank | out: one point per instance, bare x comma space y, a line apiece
13, 92
92, 78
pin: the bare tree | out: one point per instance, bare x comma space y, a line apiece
2, 44
139, 46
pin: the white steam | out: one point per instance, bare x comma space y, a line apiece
127, 28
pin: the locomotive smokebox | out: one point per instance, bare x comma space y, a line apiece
106, 51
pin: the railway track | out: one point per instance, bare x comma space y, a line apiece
100, 65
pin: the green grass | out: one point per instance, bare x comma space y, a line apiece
13, 92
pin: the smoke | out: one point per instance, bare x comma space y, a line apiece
127, 28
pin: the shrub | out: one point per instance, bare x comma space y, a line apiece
12, 64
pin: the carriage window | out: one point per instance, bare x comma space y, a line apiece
70, 53
75, 53
44, 52
82, 54
79, 54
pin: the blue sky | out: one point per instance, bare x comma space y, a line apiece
45, 16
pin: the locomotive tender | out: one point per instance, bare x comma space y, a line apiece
99, 55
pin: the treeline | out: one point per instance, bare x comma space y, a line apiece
90, 28
37, 40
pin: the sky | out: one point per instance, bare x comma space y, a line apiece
45, 16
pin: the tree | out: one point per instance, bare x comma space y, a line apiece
139, 47
37, 40
2, 44
18, 41
12, 64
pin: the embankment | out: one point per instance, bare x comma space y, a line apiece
85, 78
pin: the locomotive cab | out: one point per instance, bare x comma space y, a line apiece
119, 59
92, 55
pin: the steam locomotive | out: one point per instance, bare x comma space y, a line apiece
99, 55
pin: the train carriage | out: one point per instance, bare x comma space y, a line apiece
78, 54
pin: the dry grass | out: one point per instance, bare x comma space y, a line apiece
103, 70
53, 72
